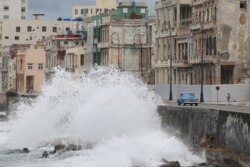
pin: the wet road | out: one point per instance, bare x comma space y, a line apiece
234, 108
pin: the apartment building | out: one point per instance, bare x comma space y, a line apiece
31, 31
13, 9
202, 40
56, 46
102, 6
76, 60
25, 73
125, 40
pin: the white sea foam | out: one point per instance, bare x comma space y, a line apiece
112, 110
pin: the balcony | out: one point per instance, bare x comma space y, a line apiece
196, 26
206, 59
209, 25
103, 45
3, 69
166, 3
197, 2
183, 31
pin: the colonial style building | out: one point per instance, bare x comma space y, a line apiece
202, 40
125, 39
56, 46
76, 60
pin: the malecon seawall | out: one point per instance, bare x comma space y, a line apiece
209, 128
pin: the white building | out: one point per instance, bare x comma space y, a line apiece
31, 31
102, 6
13, 9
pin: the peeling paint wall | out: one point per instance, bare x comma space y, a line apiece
233, 36
217, 128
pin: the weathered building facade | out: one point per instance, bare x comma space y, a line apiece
76, 60
56, 46
202, 40
24, 68
126, 40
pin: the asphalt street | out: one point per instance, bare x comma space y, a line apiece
227, 107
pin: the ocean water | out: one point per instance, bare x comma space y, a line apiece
113, 112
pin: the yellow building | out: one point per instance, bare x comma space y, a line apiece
102, 6
75, 60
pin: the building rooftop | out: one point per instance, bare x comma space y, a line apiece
130, 4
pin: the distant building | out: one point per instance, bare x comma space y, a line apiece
125, 39
31, 31
25, 69
13, 9
202, 40
56, 46
76, 60
102, 6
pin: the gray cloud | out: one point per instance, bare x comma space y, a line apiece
54, 9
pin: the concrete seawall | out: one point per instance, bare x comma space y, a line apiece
210, 128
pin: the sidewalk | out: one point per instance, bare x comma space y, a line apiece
242, 104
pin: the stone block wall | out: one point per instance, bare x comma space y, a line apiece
216, 128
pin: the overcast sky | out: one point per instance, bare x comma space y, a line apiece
62, 8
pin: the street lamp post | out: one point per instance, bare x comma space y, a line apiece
196, 20
166, 25
138, 39
115, 36
170, 88
202, 65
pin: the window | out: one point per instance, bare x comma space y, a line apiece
243, 4
29, 28
40, 66
16, 37
125, 10
18, 29
54, 29
67, 29
23, 9
30, 66
6, 37
82, 11
44, 28
76, 11
6, 17
86, 11
82, 60
6, 8
143, 10
23, 17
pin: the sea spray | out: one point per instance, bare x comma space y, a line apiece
112, 110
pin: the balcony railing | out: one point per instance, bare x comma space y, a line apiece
196, 26
103, 45
198, 2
